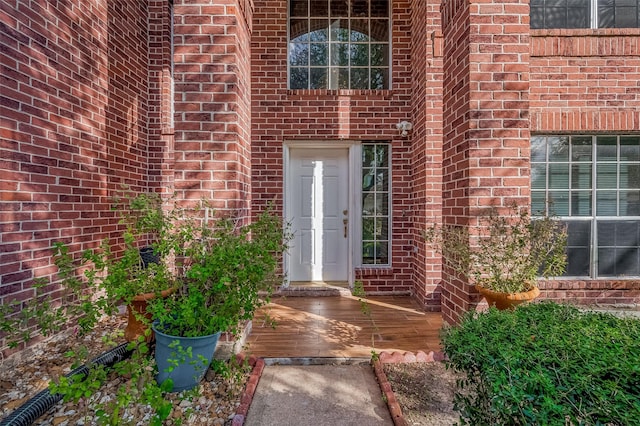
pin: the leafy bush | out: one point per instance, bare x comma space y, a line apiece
507, 251
546, 363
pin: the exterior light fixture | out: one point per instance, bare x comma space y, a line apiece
404, 127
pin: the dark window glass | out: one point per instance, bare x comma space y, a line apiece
560, 13
618, 14
596, 178
336, 35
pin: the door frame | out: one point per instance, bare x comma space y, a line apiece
354, 152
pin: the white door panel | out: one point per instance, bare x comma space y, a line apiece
318, 200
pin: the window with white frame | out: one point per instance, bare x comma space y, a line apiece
585, 14
339, 44
375, 203
592, 183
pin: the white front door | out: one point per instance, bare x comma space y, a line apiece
318, 212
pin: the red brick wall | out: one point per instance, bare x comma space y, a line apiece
329, 115
426, 150
486, 120
585, 81
212, 86
74, 127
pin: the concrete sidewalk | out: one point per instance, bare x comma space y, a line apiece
318, 395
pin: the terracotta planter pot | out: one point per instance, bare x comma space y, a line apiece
136, 328
504, 301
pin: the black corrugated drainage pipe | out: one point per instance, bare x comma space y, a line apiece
28, 412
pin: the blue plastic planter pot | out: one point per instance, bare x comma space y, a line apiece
189, 369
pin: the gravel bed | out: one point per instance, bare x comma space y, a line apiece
213, 402
424, 391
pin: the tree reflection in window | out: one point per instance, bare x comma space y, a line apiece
375, 204
339, 44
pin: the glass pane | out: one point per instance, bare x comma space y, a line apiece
629, 176
555, 17
382, 228
340, 54
581, 148
538, 203
382, 155
581, 176
368, 180
339, 30
319, 8
360, 30
368, 204
606, 17
537, 17
581, 203
382, 204
299, 30
380, 8
368, 228
368, 252
578, 17
538, 176
359, 78
299, 7
618, 262
380, 30
319, 30
559, 203
626, 17
538, 149
299, 78
558, 148
318, 78
379, 55
379, 78
629, 203
360, 8
382, 253
577, 262
339, 78
382, 180
578, 233
606, 203
607, 176
339, 8
319, 54
578, 243
558, 176
606, 148
298, 54
618, 233
360, 56
630, 148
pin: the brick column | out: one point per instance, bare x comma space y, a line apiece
486, 120
212, 103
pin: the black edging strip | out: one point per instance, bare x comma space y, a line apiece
28, 412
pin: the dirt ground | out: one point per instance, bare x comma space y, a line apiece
424, 391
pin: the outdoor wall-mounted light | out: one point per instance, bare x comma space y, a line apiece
404, 127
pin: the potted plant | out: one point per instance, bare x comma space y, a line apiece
226, 271
140, 269
506, 256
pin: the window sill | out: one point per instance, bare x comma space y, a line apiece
374, 271
314, 93
582, 32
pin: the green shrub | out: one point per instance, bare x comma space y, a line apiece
546, 364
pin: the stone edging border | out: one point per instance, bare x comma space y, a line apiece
385, 386
258, 365
250, 388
